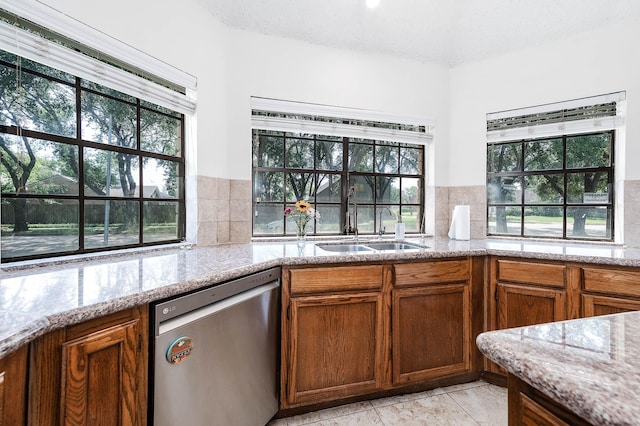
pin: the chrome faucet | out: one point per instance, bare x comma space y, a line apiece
351, 199
381, 227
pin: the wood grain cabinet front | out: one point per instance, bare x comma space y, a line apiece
526, 292
350, 331
431, 322
335, 334
529, 407
336, 347
13, 388
610, 290
93, 373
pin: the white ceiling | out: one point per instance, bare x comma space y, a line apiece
443, 31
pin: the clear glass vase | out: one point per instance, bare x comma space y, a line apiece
301, 237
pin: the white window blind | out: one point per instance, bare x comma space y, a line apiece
36, 48
298, 117
591, 114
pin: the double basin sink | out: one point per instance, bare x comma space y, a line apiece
369, 247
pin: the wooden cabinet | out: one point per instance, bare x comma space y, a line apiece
529, 293
594, 305
13, 388
93, 373
338, 341
335, 333
525, 292
431, 325
520, 305
529, 407
610, 290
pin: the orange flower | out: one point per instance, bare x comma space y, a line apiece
302, 206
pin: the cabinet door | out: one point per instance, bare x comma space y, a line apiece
92, 373
431, 332
99, 377
336, 346
13, 388
593, 305
526, 305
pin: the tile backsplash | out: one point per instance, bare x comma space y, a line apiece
632, 213
224, 210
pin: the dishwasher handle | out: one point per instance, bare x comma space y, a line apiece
172, 324
175, 307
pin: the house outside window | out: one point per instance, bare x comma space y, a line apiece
560, 187
551, 172
339, 160
386, 177
84, 167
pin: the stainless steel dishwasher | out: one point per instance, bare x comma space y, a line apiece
216, 354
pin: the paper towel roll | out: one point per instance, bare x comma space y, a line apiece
460, 228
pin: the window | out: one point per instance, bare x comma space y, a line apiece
386, 176
558, 187
84, 167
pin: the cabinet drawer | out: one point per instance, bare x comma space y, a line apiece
531, 273
612, 281
338, 278
431, 272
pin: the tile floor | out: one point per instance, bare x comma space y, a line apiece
476, 403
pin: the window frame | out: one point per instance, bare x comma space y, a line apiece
564, 170
346, 180
81, 197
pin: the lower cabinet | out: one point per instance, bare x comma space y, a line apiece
526, 292
93, 373
431, 326
609, 290
361, 329
13, 388
336, 346
594, 305
520, 305
529, 407
335, 333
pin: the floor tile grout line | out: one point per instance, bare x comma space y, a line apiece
336, 416
461, 407
376, 410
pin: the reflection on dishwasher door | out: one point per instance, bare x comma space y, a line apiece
217, 364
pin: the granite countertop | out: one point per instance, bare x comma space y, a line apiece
37, 298
591, 366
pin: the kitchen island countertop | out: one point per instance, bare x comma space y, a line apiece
40, 297
590, 366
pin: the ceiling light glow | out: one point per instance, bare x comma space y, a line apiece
372, 3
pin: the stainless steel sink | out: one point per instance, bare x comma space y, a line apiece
393, 246
344, 248
369, 247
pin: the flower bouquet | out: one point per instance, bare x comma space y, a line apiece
302, 215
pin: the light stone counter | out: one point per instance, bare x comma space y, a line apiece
35, 299
591, 365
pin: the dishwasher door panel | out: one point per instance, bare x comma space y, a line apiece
230, 376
